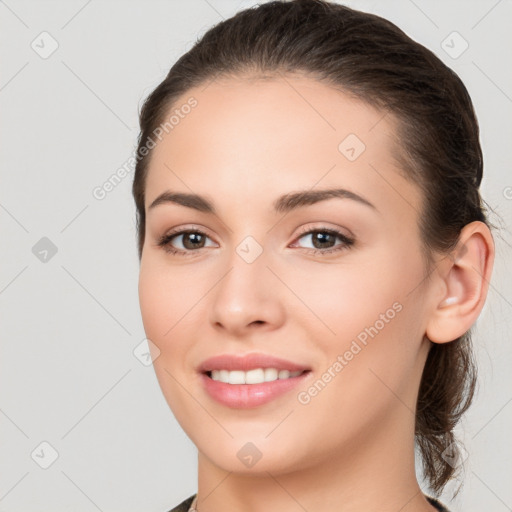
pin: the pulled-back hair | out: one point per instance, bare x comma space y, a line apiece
437, 146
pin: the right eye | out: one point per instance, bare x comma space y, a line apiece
184, 241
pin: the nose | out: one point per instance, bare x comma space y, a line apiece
247, 297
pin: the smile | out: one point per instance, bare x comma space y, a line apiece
256, 376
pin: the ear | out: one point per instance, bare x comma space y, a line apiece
464, 277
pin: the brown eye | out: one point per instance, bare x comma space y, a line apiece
193, 240
320, 239
323, 240
185, 241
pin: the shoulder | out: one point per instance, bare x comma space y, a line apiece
437, 504
184, 505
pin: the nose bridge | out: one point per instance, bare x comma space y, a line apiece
243, 295
248, 272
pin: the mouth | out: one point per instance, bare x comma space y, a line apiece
243, 381
237, 389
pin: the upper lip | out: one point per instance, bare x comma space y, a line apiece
247, 362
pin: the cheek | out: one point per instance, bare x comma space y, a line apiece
369, 372
366, 314
173, 304
154, 303
166, 297
166, 304
343, 299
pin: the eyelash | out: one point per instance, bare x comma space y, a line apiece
165, 241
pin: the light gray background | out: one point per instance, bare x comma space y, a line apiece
68, 375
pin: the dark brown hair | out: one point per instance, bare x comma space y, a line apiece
437, 143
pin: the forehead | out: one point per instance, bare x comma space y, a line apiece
263, 137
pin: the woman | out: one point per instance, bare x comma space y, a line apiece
313, 254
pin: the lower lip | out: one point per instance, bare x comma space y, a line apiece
245, 396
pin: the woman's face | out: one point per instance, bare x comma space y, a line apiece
350, 308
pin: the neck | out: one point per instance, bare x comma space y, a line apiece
375, 473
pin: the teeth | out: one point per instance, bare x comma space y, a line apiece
256, 376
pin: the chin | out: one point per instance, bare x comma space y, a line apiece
258, 466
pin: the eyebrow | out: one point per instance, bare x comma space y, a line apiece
285, 203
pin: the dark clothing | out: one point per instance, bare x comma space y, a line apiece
185, 505
436, 504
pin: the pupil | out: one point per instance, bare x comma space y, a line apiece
191, 240
322, 238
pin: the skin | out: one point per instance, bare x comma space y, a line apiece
351, 448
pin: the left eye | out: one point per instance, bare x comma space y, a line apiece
325, 239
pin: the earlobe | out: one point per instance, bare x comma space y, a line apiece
465, 273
